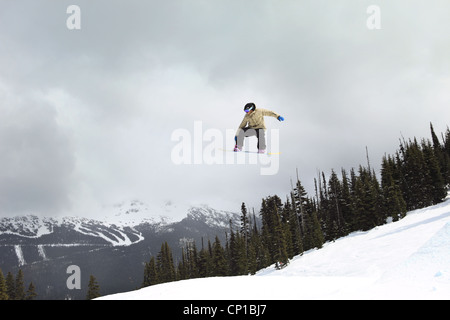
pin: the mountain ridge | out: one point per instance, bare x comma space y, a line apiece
128, 215
43, 247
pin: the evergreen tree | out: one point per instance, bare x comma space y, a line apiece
227, 253
299, 203
164, 264
31, 292
193, 261
436, 143
286, 230
442, 157
3, 287
242, 260
19, 286
266, 228
414, 169
261, 252
10, 286
435, 185
204, 262
150, 273
335, 225
252, 252
234, 253
93, 288
188, 267
307, 238
210, 260
238, 245
244, 239
219, 262
293, 225
245, 227
394, 204
182, 269
275, 237
316, 231
368, 200
377, 194
347, 209
446, 151
323, 207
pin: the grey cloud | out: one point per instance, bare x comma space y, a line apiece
110, 95
35, 157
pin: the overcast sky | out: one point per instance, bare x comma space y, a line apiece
87, 116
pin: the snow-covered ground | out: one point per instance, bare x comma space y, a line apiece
407, 259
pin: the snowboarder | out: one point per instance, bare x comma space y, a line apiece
253, 125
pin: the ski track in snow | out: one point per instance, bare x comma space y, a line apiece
41, 252
110, 237
407, 259
19, 253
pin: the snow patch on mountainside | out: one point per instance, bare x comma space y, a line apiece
19, 254
41, 252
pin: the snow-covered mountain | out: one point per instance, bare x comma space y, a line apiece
118, 244
407, 259
135, 212
212, 217
41, 230
30, 226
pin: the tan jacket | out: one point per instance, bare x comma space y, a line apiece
255, 120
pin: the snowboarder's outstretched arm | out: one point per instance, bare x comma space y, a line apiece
269, 113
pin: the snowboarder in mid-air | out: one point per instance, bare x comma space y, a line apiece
253, 125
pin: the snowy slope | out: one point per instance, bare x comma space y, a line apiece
407, 259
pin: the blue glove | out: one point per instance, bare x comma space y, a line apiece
235, 139
280, 118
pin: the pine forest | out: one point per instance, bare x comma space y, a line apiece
416, 176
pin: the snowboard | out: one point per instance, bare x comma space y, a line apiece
247, 151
